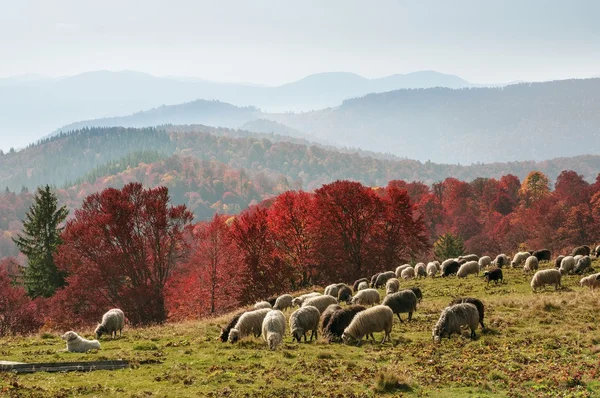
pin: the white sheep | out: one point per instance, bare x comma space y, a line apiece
331, 290
372, 320
366, 297
392, 286
582, 264
519, 258
113, 321
437, 264
420, 270
567, 265
400, 269
321, 302
262, 305
76, 343
283, 302
453, 317
249, 323
501, 260
577, 258
546, 277
273, 328
468, 257
531, 264
432, 270
300, 299
408, 273
484, 262
592, 281
303, 320
363, 286
468, 268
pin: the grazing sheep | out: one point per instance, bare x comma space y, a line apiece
331, 290
76, 343
392, 286
362, 286
408, 273
567, 265
542, 255
519, 258
273, 328
383, 278
344, 294
597, 251
437, 264
469, 257
476, 302
224, 336
583, 264
300, 299
468, 268
577, 257
432, 270
501, 260
447, 262
558, 261
262, 305
484, 262
420, 270
249, 323
113, 321
462, 261
373, 279
326, 315
366, 297
403, 301
283, 302
546, 277
400, 269
340, 320
592, 281
321, 302
583, 250
451, 268
453, 317
493, 275
303, 320
531, 264
271, 300
375, 319
357, 282
417, 291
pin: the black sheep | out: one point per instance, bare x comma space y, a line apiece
340, 320
374, 279
271, 300
344, 294
581, 250
558, 261
542, 255
451, 268
476, 302
493, 275
224, 336
417, 292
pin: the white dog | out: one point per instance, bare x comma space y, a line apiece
76, 343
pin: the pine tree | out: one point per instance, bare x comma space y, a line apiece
448, 246
38, 242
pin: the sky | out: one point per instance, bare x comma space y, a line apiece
277, 41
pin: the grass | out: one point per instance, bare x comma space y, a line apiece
537, 345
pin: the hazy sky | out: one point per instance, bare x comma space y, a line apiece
276, 41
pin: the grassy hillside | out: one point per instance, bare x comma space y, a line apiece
543, 345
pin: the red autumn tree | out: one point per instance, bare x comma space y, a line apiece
18, 313
572, 189
120, 250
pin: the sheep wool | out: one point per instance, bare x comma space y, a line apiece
582, 264
340, 320
546, 277
400, 269
432, 270
249, 323
392, 286
375, 319
273, 328
468, 268
113, 321
408, 273
501, 260
366, 297
401, 302
262, 305
224, 335
362, 286
476, 302
484, 262
326, 315
344, 294
357, 282
558, 261
321, 302
420, 270
519, 258
306, 319
592, 281
567, 265
331, 290
531, 264
453, 317
469, 257
76, 343
300, 299
283, 302
383, 278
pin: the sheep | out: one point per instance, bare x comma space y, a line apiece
326, 315
451, 268
403, 301
531, 264
340, 320
331, 290
392, 286
493, 275
373, 279
542, 255
519, 258
592, 281
432, 270
417, 292
484, 262
300, 299
375, 319
558, 261
305, 319
357, 282
271, 300
597, 251
112, 321
383, 278
583, 250
420, 270
249, 323
408, 273
470, 267
362, 286
76, 343
567, 265
366, 297
344, 294
546, 277
469, 257
500, 260
447, 262
583, 264
453, 317
273, 328
476, 302
577, 257
437, 264
224, 335
262, 305
283, 302
401, 268
321, 302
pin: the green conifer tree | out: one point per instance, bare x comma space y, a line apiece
448, 246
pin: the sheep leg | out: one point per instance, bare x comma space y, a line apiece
409, 316
482, 325
400, 319
304, 338
473, 335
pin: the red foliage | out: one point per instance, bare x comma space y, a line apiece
18, 313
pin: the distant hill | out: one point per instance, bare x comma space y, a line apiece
32, 106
